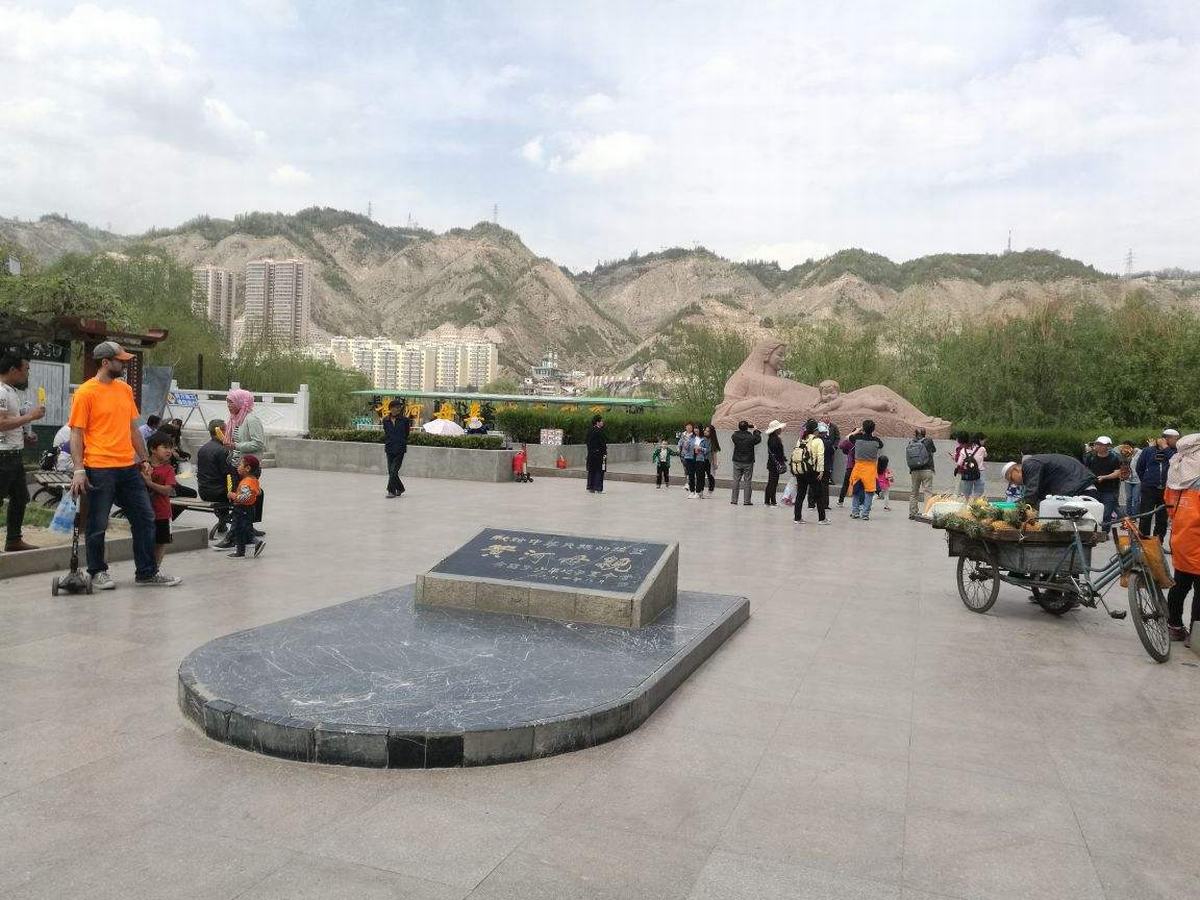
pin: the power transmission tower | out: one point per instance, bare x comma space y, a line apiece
1009, 248
369, 209
1129, 263
495, 213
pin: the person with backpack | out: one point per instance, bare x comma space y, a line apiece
867, 450
776, 462
808, 465
828, 433
919, 456
968, 466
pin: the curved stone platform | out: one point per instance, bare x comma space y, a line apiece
379, 682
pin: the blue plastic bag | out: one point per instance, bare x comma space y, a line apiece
64, 516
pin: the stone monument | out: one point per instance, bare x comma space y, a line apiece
571, 578
520, 644
757, 393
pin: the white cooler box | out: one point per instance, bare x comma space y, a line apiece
1048, 509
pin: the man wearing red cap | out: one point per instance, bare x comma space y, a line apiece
108, 450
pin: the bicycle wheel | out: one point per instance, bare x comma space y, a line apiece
978, 578
1149, 615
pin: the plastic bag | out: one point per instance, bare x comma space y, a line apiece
64, 516
789, 494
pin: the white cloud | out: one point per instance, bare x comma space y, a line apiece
594, 105
109, 73
937, 127
288, 175
605, 154
533, 151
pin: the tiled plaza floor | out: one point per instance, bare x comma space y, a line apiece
863, 736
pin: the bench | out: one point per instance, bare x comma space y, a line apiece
52, 484
216, 508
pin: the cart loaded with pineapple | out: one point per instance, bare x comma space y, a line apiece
1051, 557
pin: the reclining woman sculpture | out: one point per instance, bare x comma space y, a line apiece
756, 392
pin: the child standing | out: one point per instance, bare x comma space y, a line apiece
244, 499
662, 464
883, 482
159, 476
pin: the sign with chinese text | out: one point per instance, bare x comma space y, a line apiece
567, 561
184, 399
551, 436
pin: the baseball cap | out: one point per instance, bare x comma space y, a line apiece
1103, 439
110, 350
1170, 432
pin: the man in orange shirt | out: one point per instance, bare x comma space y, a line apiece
108, 452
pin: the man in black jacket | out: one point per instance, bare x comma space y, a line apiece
597, 453
1051, 474
744, 442
212, 470
396, 426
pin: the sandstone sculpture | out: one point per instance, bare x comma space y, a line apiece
757, 393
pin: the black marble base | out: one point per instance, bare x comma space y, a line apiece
377, 682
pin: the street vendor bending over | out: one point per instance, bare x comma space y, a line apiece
1050, 474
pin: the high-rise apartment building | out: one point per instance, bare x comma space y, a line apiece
479, 363
278, 301
419, 365
213, 295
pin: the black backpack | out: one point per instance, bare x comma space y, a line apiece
970, 466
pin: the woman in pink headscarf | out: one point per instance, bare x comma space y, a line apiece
243, 435
243, 430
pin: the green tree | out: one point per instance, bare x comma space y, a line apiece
700, 361
500, 386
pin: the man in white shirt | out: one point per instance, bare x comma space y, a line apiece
14, 376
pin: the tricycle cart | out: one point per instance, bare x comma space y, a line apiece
1055, 566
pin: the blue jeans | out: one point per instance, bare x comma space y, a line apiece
971, 488
126, 487
860, 500
1110, 504
1133, 498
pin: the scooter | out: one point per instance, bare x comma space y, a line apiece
75, 581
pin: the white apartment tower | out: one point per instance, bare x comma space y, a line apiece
418, 365
213, 295
278, 297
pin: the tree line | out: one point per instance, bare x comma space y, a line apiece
1083, 366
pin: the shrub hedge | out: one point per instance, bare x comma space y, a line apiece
1010, 443
415, 438
524, 424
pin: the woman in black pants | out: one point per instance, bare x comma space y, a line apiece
776, 462
711, 466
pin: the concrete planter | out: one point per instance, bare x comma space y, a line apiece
57, 559
546, 455
419, 462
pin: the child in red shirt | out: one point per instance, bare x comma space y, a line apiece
244, 499
159, 475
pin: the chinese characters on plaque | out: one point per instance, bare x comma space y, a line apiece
555, 559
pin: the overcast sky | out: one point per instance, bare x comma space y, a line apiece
779, 131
